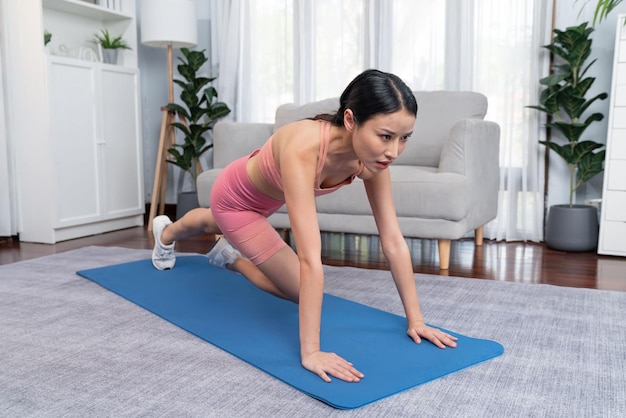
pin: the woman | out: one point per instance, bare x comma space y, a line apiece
300, 161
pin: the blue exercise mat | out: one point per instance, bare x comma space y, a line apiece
224, 309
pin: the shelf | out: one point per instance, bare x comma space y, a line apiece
75, 62
81, 8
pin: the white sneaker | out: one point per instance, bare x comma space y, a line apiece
222, 254
163, 257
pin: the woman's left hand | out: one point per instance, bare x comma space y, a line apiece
420, 330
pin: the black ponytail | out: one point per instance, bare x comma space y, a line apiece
371, 93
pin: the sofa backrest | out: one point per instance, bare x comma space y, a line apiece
437, 112
291, 112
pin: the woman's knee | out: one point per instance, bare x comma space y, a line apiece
201, 219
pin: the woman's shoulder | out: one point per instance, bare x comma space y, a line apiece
299, 131
297, 138
300, 126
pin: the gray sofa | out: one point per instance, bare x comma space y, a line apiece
445, 183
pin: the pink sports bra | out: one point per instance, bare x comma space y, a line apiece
271, 173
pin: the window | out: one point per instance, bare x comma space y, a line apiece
306, 50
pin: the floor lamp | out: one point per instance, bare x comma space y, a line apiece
166, 24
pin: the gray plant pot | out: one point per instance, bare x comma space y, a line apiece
109, 56
572, 229
186, 202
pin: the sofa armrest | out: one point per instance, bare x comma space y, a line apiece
473, 150
233, 140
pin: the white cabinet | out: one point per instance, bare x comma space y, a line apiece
75, 122
99, 124
121, 142
73, 129
613, 217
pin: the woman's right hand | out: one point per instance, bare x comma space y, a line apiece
330, 364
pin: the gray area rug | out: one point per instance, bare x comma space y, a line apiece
69, 348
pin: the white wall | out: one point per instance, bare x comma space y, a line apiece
567, 14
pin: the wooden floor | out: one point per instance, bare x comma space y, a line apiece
512, 262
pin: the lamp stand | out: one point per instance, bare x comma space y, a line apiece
166, 140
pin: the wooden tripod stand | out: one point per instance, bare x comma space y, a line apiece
166, 140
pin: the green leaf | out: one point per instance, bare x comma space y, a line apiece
571, 131
601, 96
540, 108
603, 8
218, 110
584, 71
553, 80
564, 151
210, 93
182, 128
595, 117
200, 82
582, 149
178, 108
589, 166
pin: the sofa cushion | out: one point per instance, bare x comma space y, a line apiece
424, 192
417, 192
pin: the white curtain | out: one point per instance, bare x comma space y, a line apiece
278, 51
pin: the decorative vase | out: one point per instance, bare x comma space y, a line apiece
109, 56
572, 228
186, 202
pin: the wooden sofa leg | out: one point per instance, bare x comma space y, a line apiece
478, 235
444, 254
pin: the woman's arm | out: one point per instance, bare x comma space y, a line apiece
397, 253
298, 164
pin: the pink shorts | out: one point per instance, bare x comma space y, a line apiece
241, 212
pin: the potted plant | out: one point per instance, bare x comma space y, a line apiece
572, 227
110, 46
47, 37
200, 113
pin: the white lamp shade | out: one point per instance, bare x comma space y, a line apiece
169, 22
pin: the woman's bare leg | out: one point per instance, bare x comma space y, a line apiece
196, 222
257, 277
279, 275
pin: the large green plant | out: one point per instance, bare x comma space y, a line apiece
565, 100
198, 116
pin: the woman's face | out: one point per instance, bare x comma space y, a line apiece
382, 138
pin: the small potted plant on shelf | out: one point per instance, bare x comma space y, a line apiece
572, 227
200, 113
110, 46
47, 37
